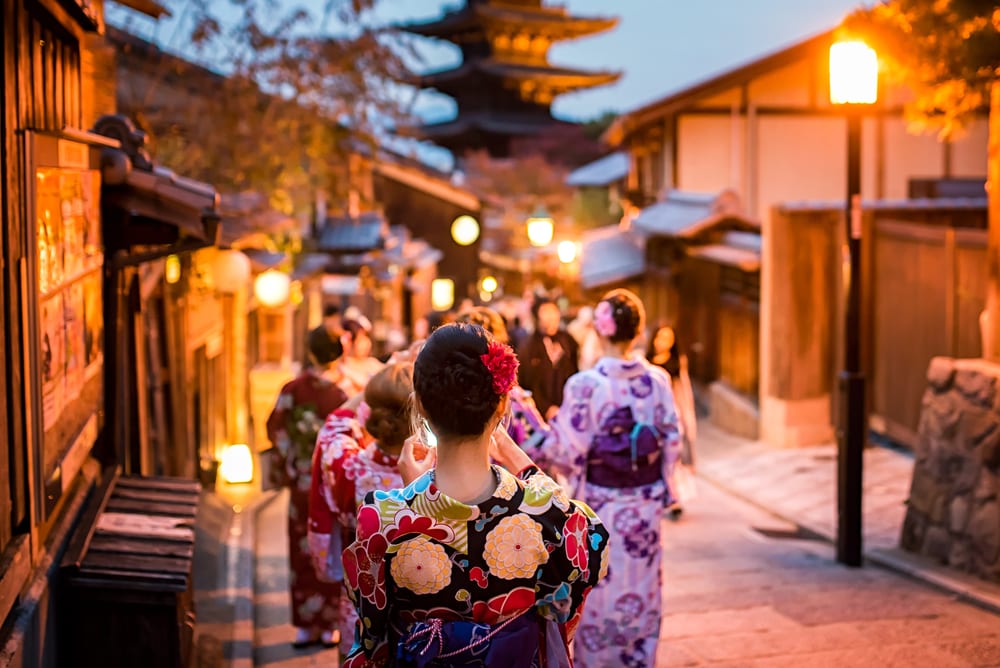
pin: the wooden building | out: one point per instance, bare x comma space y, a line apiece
767, 130
505, 85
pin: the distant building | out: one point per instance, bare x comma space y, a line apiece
505, 85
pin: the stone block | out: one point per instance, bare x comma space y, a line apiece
958, 515
940, 373
977, 385
975, 425
958, 557
914, 527
986, 488
942, 416
924, 491
937, 544
984, 531
989, 451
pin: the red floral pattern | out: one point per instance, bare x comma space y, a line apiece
575, 531
364, 568
503, 606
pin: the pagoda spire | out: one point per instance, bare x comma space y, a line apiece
505, 85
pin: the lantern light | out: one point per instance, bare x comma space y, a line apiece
540, 226
237, 464
489, 284
230, 270
567, 251
465, 230
442, 294
272, 288
853, 73
172, 269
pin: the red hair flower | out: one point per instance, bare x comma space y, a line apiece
502, 364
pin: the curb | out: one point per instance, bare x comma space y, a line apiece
962, 587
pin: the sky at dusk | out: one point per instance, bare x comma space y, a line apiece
660, 46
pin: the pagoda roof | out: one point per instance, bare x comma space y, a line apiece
556, 22
562, 78
468, 129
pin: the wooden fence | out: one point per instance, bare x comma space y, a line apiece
927, 289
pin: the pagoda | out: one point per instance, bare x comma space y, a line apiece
505, 85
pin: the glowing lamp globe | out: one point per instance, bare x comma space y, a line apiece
442, 294
465, 230
272, 288
237, 464
853, 73
489, 284
566, 250
540, 227
172, 269
231, 270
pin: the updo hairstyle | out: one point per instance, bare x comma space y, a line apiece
454, 386
489, 320
388, 396
628, 313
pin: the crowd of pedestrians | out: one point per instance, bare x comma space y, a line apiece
490, 495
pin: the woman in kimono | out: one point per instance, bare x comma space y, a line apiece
665, 353
302, 406
357, 365
471, 563
616, 439
347, 465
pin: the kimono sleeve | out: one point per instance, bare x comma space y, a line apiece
564, 448
577, 563
365, 578
320, 517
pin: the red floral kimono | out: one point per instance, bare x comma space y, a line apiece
344, 471
298, 414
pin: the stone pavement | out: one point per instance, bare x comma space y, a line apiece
750, 578
744, 588
800, 486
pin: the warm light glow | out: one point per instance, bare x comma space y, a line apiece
485, 297
442, 294
465, 230
272, 288
172, 269
566, 250
540, 228
489, 284
853, 73
237, 464
231, 270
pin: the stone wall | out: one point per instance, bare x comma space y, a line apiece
953, 513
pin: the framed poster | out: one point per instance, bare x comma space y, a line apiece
70, 323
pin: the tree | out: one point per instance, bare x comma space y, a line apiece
300, 91
948, 53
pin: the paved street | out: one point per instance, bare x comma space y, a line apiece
743, 588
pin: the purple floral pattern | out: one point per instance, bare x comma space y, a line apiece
620, 624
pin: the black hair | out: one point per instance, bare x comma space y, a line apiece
628, 313
454, 386
673, 364
331, 310
489, 320
537, 304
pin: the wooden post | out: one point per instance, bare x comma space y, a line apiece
991, 330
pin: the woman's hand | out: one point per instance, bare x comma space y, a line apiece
507, 453
415, 460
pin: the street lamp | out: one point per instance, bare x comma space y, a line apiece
465, 230
540, 226
854, 85
272, 288
567, 251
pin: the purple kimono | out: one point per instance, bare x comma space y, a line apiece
616, 439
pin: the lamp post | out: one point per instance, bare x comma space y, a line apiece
853, 85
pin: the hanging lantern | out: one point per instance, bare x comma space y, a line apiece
272, 288
465, 230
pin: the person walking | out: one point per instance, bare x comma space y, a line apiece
357, 365
616, 439
549, 356
665, 353
302, 406
356, 453
470, 563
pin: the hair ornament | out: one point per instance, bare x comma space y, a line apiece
502, 364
